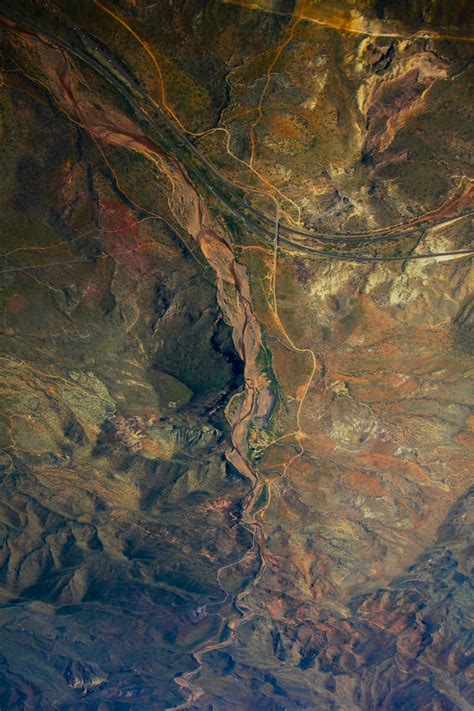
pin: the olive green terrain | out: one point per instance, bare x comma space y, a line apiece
236, 368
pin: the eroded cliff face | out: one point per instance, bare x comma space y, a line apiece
237, 355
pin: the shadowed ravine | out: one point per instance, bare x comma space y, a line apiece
234, 298
237, 311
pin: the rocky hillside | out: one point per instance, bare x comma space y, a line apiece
237, 339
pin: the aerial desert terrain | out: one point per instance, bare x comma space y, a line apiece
236, 365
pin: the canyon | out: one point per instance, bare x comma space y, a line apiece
236, 355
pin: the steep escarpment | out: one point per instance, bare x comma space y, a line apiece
148, 442
236, 356
113, 467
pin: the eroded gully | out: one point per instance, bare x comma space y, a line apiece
107, 126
